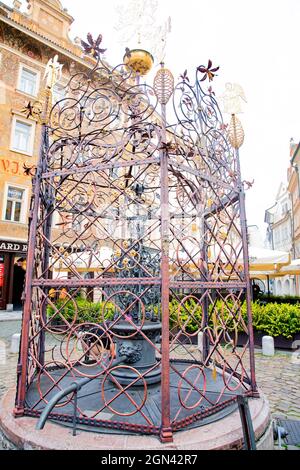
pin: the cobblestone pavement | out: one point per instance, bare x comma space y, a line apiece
278, 377
8, 361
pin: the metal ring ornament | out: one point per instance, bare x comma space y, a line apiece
66, 326
44, 372
185, 379
120, 390
123, 316
76, 353
190, 315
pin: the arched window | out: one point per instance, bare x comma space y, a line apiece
279, 288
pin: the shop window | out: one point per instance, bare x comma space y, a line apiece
14, 204
22, 136
28, 81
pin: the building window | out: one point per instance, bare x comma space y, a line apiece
22, 136
28, 81
14, 204
59, 93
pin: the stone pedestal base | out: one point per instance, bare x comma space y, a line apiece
225, 434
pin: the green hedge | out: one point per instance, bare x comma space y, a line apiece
276, 319
273, 319
87, 312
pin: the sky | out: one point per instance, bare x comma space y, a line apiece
256, 44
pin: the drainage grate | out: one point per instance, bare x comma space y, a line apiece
293, 429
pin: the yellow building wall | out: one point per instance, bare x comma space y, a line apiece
12, 162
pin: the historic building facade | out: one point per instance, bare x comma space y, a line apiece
294, 190
27, 42
280, 235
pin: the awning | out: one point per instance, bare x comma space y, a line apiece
262, 259
292, 269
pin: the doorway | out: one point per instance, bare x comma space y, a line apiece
18, 279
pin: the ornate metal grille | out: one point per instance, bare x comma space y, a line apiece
137, 247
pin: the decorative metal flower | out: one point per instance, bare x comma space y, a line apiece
184, 76
32, 109
248, 184
28, 109
208, 71
93, 46
29, 170
188, 102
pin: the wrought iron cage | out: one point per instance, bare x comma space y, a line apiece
137, 257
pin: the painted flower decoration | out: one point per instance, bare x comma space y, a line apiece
208, 71
93, 46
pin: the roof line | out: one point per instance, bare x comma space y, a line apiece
45, 40
6, 7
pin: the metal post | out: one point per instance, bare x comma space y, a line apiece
247, 274
249, 436
166, 432
47, 232
205, 303
24, 348
75, 412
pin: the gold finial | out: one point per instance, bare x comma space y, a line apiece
139, 61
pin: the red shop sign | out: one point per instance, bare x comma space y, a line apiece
1, 275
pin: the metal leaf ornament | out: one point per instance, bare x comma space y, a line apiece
163, 85
236, 133
93, 46
208, 71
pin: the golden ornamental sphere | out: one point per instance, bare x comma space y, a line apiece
139, 61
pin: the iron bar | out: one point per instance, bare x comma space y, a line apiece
247, 275
166, 433
247, 426
24, 345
